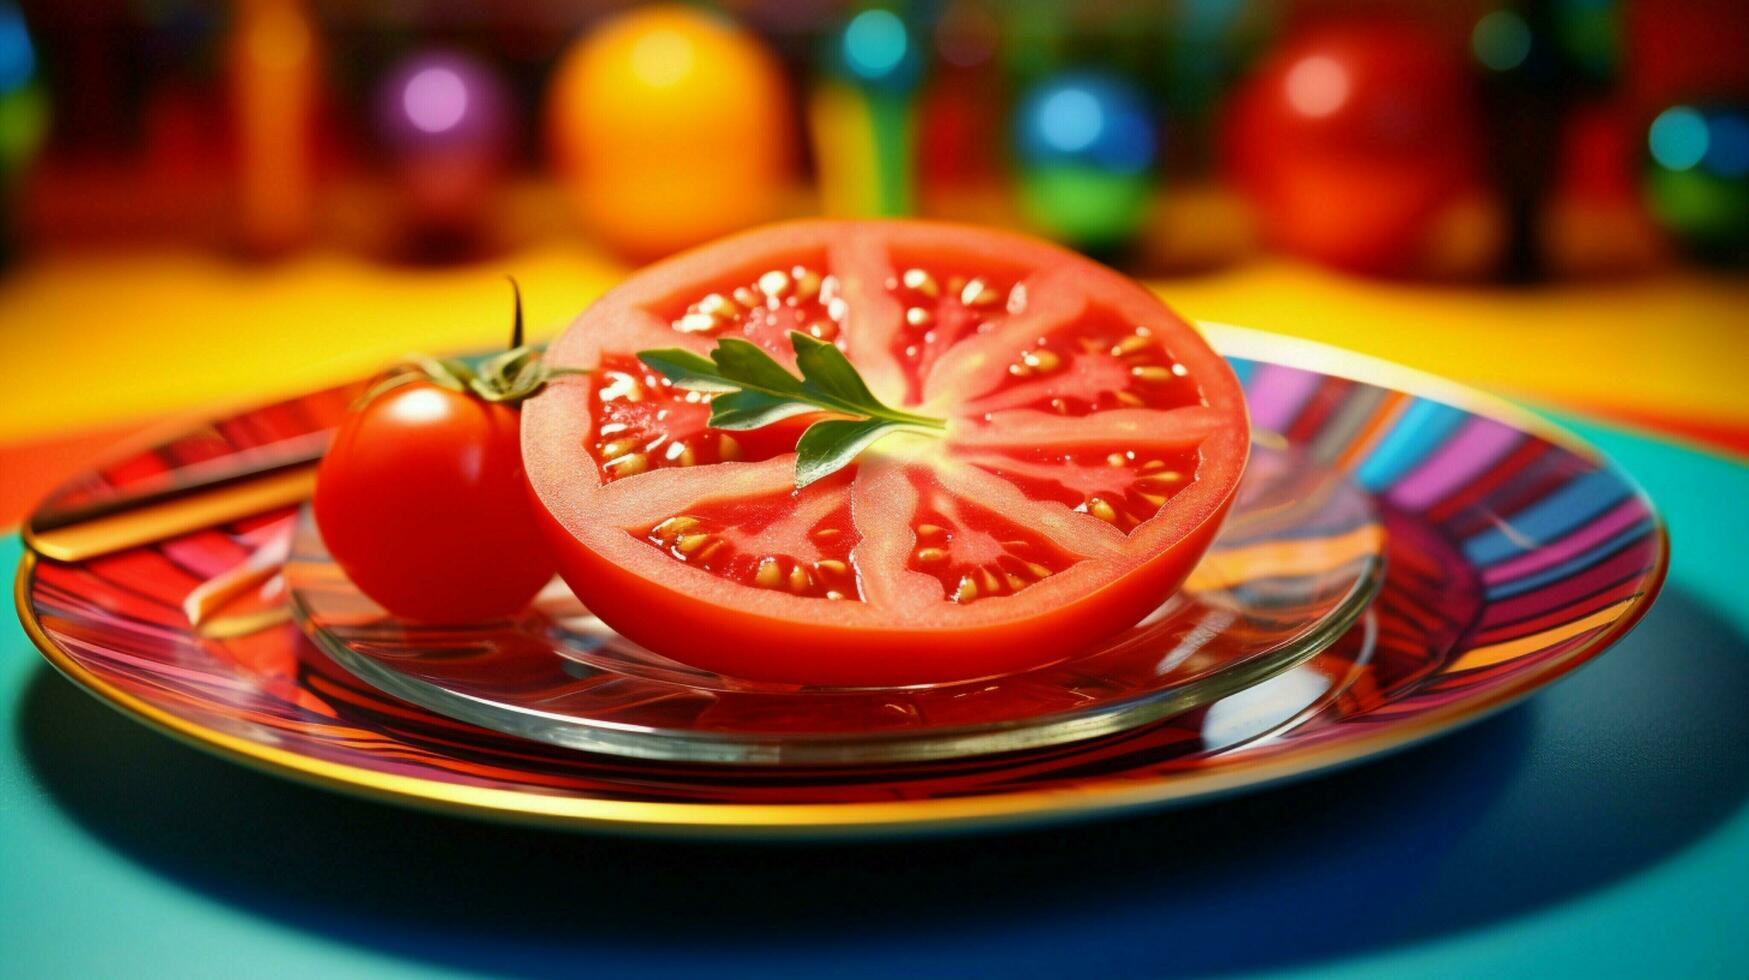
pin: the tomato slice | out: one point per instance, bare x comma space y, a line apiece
1094, 442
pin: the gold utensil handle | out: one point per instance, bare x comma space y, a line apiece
202, 495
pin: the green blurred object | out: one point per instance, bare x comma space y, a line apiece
877, 53
1087, 146
24, 121
1696, 180
1709, 212
1084, 205
1589, 34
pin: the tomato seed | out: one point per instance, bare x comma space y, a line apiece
630, 464
967, 591
807, 283
976, 293
1130, 345
775, 284
922, 282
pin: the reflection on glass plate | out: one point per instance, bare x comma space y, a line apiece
1296, 563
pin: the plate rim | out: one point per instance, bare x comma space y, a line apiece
952, 813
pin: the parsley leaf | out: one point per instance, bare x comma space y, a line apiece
753, 390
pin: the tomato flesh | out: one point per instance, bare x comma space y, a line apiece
797, 542
1093, 444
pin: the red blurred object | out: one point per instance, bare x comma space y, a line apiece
1351, 138
1600, 154
961, 120
1679, 50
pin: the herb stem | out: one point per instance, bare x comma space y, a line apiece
751, 390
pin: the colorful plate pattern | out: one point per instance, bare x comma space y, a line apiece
1300, 557
1514, 554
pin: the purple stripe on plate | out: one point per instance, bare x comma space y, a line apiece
1475, 448
1278, 393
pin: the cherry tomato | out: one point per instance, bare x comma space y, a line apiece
1092, 446
423, 503
1350, 140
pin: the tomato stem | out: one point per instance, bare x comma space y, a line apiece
516, 323
509, 377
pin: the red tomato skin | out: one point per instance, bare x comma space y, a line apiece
422, 501
1351, 139
821, 653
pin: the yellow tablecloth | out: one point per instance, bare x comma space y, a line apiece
90, 340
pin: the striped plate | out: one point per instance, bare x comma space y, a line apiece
1514, 554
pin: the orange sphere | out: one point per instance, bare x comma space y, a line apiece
671, 127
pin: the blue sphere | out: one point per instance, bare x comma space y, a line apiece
876, 49
1086, 147
1697, 177
17, 55
1086, 119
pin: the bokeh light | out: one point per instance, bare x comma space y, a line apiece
1318, 86
444, 99
1678, 138
17, 55
875, 45
1090, 118
1727, 150
435, 100
1070, 120
1501, 40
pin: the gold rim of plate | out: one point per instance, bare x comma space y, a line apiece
858, 819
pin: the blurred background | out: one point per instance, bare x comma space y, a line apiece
207, 203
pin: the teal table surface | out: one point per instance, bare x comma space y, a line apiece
1599, 829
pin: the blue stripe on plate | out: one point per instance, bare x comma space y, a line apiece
1560, 512
1422, 429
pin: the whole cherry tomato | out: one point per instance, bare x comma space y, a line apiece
422, 500
1351, 138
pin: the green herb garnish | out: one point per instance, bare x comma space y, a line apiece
753, 390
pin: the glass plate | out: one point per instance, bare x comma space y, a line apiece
1296, 563
1514, 554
